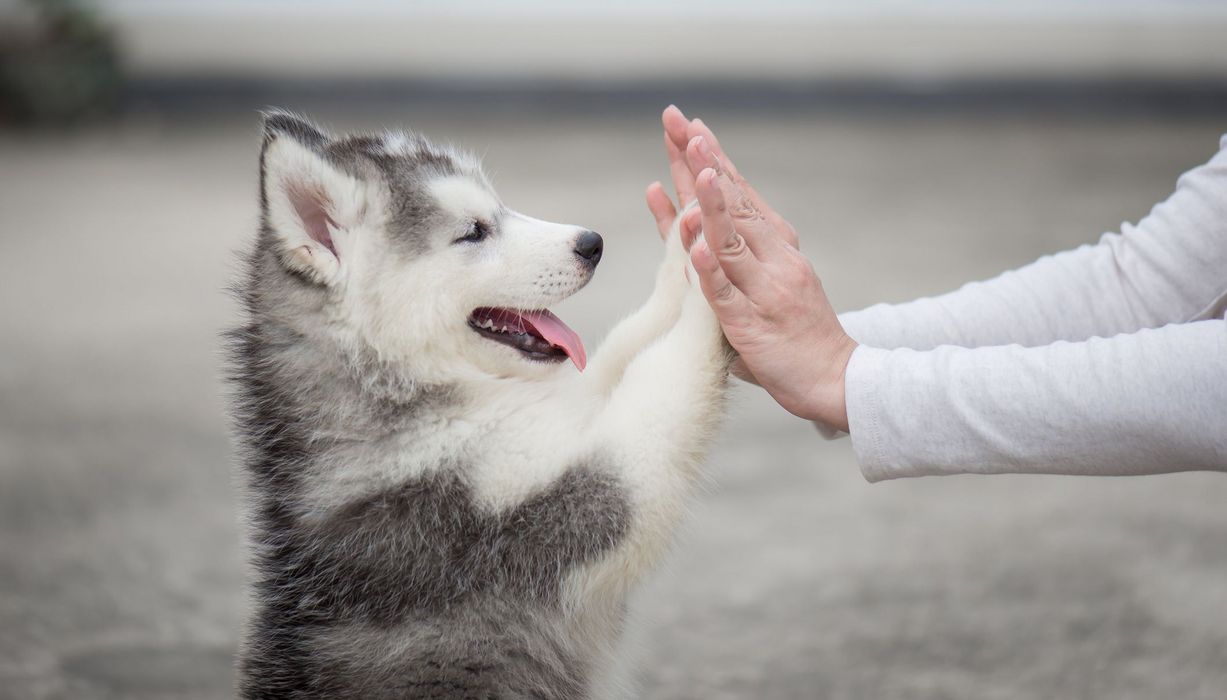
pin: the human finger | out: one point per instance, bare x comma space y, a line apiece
683, 179
731, 306
661, 207
721, 235
697, 127
747, 219
692, 226
676, 125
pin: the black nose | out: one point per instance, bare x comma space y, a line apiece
589, 246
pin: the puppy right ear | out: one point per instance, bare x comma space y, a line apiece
310, 205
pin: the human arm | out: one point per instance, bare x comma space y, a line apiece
1147, 402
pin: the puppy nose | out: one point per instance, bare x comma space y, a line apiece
589, 246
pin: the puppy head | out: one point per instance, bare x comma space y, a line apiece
404, 249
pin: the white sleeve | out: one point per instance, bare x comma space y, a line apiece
1147, 402
1171, 267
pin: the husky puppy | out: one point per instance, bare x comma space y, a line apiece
440, 505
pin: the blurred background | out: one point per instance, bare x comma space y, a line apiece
916, 146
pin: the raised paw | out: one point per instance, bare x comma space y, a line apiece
673, 275
697, 312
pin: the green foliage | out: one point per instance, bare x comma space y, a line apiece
61, 67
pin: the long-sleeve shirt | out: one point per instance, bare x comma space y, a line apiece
1107, 359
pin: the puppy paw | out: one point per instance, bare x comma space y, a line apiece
673, 274
698, 311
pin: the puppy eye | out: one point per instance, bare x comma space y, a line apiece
478, 230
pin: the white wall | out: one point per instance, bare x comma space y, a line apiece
1041, 10
649, 39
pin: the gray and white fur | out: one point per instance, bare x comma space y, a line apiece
433, 511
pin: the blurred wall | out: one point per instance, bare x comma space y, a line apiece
638, 40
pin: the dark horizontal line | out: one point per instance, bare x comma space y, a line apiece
1092, 96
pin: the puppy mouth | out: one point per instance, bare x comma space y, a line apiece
538, 335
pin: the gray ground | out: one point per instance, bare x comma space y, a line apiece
120, 562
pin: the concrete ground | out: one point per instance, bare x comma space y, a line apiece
120, 558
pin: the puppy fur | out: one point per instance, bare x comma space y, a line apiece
433, 514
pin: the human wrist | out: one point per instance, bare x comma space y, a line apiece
829, 405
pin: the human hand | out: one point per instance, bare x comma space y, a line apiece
678, 131
765, 293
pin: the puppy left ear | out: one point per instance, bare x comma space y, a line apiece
307, 201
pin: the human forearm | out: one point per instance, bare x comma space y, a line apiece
1149, 402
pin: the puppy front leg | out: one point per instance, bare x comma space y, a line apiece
658, 422
646, 324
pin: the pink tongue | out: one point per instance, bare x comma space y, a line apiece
558, 334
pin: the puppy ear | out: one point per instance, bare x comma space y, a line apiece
308, 203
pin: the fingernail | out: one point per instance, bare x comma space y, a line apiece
704, 149
701, 255
705, 153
